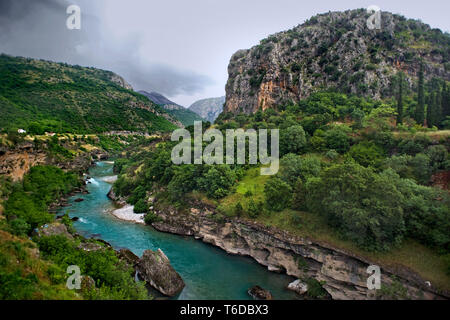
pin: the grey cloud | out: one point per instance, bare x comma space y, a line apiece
37, 29
167, 80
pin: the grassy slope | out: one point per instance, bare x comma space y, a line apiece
71, 98
410, 254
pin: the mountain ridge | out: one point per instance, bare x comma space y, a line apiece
182, 114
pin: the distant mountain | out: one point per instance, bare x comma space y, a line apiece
159, 99
208, 109
185, 116
39, 96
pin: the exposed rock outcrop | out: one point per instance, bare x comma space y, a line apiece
155, 268
118, 200
17, 161
344, 274
298, 287
129, 257
120, 81
87, 284
336, 50
259, 293
52, 229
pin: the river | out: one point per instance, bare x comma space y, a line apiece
209, 272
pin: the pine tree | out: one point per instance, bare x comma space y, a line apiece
299, 199
438, 108
431, 109
420, 109
400, 98
445, 101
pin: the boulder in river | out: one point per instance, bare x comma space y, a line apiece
298, 287
155, 268
259, 293
79, 200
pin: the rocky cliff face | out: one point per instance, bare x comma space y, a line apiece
337, 50
344, 275
208, 109
120, 81
16, 162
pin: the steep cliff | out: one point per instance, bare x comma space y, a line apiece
16, 161
343, 274
334, 50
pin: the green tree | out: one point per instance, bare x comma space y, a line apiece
366, 153
445, 101
294, 167
400, 107
292, 140
363, 205
238, 209
431, 110
140, 206
337, 139
217, 181
299, 198
420, 109
278, 194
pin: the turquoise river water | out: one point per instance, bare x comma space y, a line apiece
209, 272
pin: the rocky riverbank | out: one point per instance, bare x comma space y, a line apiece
343, 275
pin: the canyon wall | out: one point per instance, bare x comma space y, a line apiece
344, 275
16, 161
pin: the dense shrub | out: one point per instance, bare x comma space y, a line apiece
364, 206
111, 275
366, 154
294, 167
292, 140
28, 201
278, 194
337, 139
417, 168
140, 206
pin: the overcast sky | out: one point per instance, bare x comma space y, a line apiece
180, 48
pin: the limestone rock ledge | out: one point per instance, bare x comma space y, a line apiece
344, 274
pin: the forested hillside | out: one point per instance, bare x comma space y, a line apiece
41, 96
